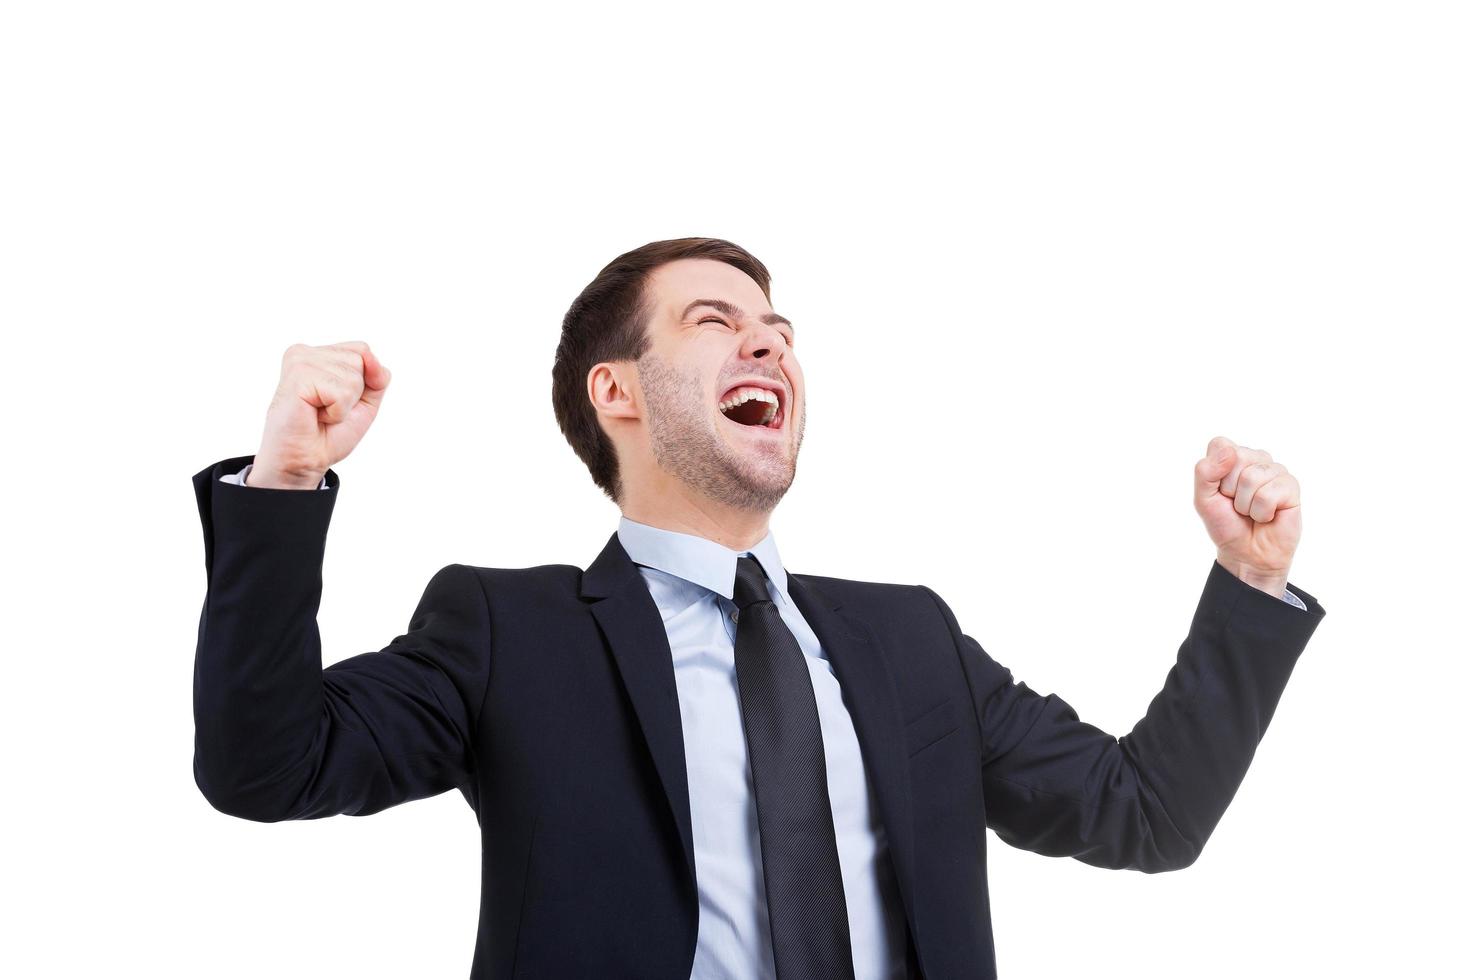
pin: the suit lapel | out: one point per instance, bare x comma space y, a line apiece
869, 693
631, 623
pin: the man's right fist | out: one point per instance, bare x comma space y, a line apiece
327, 399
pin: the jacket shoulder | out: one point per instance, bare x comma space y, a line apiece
861, 594
533, 579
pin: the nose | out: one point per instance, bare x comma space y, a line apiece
764, 340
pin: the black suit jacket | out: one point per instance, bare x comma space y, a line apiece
547, 697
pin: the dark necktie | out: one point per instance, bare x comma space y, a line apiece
800, 859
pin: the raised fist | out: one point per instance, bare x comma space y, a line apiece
327, 399
1251, 507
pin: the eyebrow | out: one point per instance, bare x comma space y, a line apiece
734, 312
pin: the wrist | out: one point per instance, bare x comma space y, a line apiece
1274, 582
266, 478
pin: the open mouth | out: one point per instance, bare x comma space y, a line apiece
758, 406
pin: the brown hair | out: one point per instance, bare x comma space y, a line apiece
607, 322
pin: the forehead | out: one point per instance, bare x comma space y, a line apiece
675, 284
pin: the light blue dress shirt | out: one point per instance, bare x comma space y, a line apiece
691, 580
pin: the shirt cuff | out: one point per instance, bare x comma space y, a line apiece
239, 479
1288, 597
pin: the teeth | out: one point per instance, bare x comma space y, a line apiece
746, 395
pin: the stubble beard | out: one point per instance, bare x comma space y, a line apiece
685, 443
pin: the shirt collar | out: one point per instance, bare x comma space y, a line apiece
697, 559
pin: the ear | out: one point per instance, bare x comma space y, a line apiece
611, 390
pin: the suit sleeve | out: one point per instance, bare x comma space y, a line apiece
277, 737
1148, 800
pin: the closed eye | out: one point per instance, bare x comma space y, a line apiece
717, 319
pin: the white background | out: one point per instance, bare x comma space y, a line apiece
1037, 256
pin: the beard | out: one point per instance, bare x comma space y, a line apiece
686, 443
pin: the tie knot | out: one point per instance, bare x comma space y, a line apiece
751, 584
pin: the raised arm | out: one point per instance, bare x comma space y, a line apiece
1150, 799
277, 737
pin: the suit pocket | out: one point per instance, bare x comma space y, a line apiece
930, 727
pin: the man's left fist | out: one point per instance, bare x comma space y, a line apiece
1250, 505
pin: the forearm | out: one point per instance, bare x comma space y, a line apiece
1201, 731
258, 689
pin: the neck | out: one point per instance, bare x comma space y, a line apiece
674, 506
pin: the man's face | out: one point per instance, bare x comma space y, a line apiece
714, 338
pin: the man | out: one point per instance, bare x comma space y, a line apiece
686, 760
